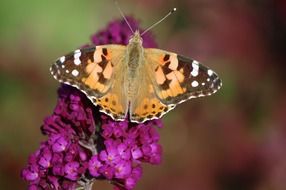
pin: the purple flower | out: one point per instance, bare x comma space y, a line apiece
107, 171
46, 169
124, 151
59, 143
110, 155
85, 145
131, 181
71, 170
118, 32
123, 155
123, 169
31, 173
136, 153
45, 159
94, 165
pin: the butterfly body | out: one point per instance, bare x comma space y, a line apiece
133, 65
145, 83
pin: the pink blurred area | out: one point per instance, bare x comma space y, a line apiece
233, 140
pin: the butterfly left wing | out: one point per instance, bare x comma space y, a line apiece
93, 71
177, 78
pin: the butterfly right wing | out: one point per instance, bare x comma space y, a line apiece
177, 78
166, 80
93, 71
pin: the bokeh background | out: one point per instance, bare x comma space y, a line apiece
233, 140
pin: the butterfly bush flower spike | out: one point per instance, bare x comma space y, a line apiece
84, 145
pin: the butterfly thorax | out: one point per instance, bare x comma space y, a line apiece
134, 51
134, 60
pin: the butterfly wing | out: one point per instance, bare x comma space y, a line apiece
93, 70
175, 79
146, 105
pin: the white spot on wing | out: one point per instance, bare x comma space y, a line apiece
77, 54
62, 59
75, 73
210, 72
195, 83
77, 51
195, 71
77, 61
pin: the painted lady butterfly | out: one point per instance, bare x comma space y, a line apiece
144, 82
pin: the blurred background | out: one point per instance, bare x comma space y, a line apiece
233, 140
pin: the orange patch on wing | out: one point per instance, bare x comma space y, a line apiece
169, 92
97, 55
161, 60
100, 87
176, 88
171, 76
110, 103
140, 111
179, 76
108, 71
90, 66
161, 94
173, 62
149, 107
159, 76
91, 80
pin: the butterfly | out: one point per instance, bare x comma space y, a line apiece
145, 83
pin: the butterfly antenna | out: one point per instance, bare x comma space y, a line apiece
123, 16
162, 19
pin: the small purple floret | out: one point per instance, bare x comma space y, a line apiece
71, 170
94, 165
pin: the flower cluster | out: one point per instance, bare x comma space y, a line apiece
85, 145
126, 147
61, 162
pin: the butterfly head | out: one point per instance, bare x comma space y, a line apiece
136, 38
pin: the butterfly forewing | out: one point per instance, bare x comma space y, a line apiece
91, 70
70, 69
199, 80
177, 78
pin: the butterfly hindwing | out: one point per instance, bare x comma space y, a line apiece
146, 105
177, 78
92, 70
